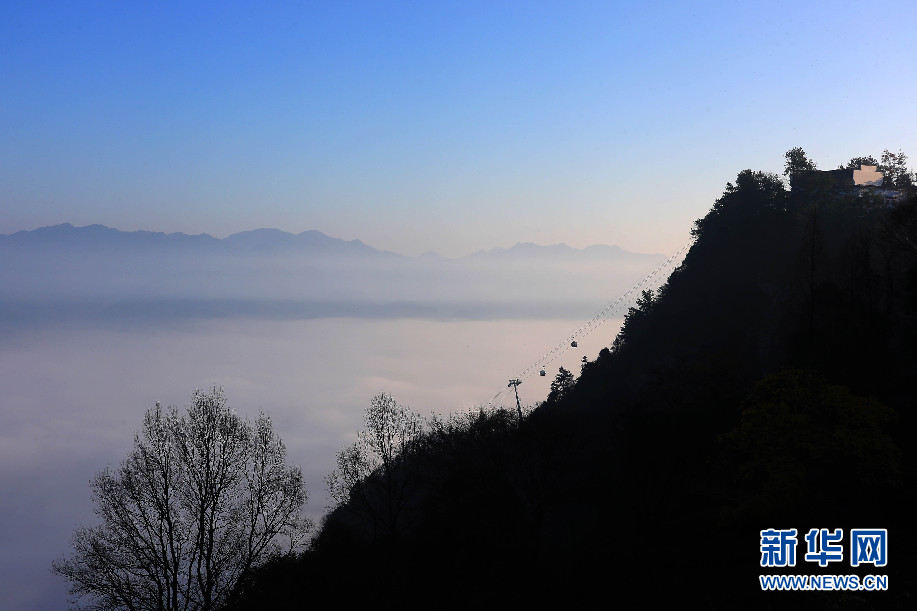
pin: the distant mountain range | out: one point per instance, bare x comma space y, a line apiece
99, 238
96, 272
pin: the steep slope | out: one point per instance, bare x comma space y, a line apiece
767, 385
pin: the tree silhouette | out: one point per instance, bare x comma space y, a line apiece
374, 472
894, 166
856, 162
796, 162
201, 500
561, 385
753, 196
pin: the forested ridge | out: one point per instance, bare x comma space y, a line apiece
767, 384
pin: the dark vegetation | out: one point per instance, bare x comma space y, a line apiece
767, 384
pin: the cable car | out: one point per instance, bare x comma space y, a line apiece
573, 344
542, 373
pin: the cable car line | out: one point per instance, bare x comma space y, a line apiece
609, 311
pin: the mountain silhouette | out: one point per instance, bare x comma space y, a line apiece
96, 274
767, 384
100, 238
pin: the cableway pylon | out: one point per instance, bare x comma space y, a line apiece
609, 311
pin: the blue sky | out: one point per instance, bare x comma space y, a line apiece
447, 126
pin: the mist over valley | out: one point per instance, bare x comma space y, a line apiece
96, 325
100, 274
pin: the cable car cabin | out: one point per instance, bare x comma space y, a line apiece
573, 344
542, 373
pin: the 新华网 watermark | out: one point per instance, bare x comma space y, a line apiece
867, 546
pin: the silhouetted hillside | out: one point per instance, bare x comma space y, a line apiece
766, 385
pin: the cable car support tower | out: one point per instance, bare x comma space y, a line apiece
515, 382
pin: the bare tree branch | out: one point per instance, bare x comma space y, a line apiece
201, 500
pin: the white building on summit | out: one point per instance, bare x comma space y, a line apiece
867, 176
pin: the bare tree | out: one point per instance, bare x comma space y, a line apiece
374, 473
201, 500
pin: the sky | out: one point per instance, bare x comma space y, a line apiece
445, 126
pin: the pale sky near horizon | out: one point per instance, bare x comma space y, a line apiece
419, 126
